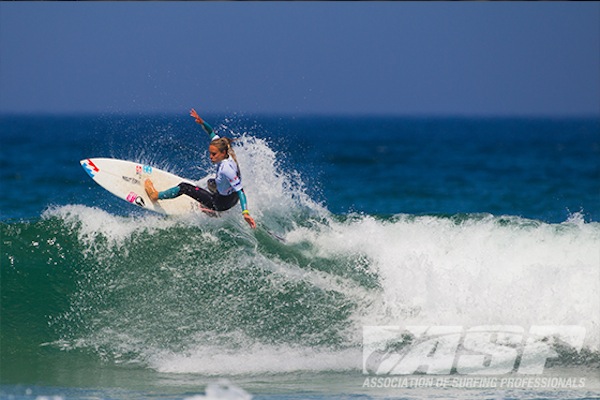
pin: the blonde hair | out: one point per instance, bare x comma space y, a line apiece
223, 144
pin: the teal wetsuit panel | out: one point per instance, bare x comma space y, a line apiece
208, 129
169, 193
243, 200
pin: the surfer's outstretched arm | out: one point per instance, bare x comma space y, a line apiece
245, 212
207, 128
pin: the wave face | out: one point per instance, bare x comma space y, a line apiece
204, 295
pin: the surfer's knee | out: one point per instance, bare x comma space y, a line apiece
186, 188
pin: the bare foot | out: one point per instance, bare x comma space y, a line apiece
152, 193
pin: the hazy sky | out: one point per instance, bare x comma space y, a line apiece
515, 58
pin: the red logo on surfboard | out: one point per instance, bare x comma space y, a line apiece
91, 164
89, 167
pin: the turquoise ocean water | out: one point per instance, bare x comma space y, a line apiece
372, 221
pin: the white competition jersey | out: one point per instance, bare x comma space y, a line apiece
228, 177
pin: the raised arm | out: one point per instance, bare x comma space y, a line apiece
207, 128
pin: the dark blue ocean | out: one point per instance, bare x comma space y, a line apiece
542, 169
363, 221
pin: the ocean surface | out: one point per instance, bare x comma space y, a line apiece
363, 222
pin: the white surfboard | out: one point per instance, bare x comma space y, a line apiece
125, 179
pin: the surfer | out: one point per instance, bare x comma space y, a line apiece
224, 191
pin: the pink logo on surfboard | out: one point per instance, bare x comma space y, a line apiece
135, 199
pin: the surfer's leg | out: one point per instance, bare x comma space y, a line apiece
170, 193
165, 194
223, 203
198, 194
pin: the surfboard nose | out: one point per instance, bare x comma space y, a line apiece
89, 167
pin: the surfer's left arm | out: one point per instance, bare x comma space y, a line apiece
245, 212
207, 128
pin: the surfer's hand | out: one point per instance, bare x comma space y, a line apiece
250, 221
194, 114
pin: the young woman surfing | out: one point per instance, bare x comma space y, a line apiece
224, 191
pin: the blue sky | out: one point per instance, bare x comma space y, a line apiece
472, 59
